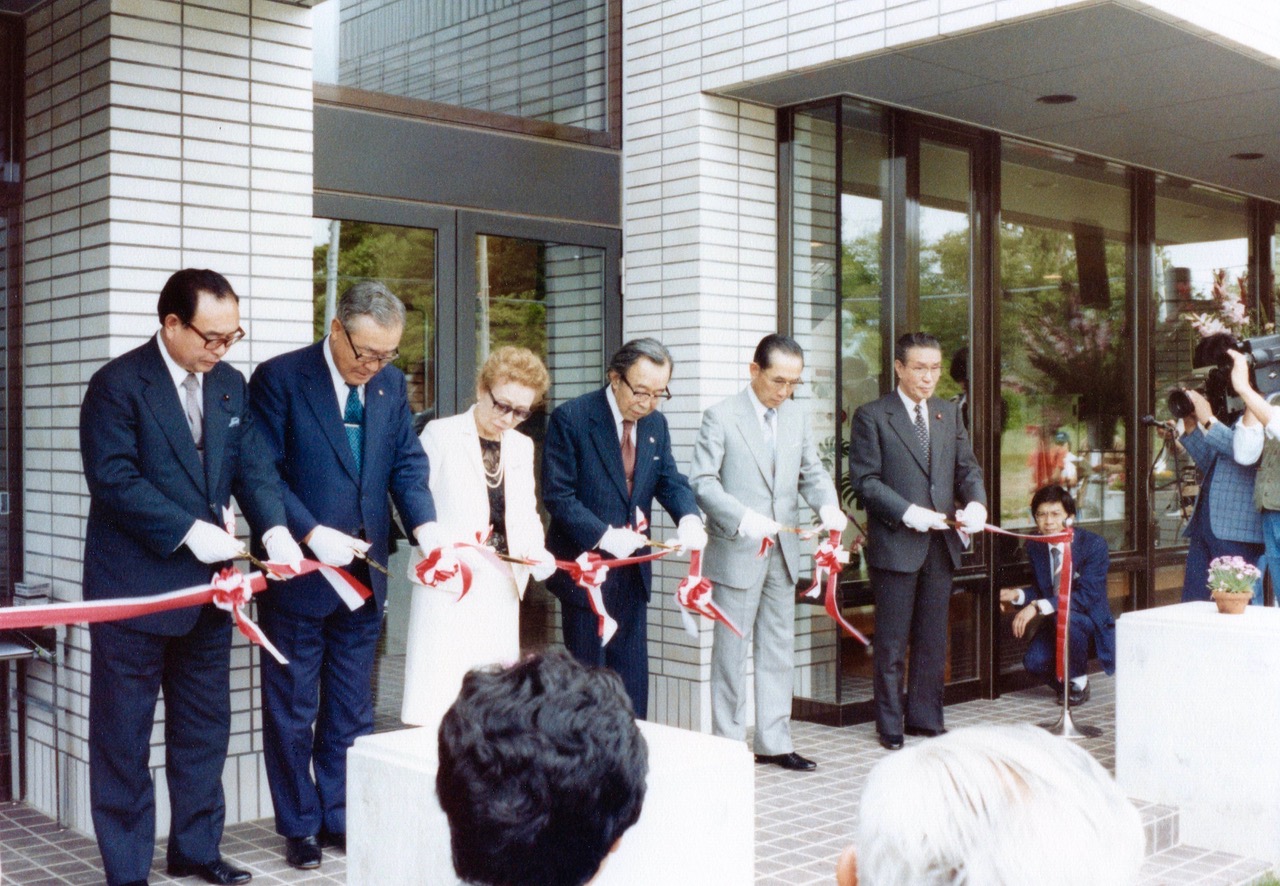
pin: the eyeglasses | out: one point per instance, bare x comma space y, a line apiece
368, 356
783, 383
213, 342
646, 396
520, 413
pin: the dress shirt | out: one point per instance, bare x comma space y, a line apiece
1246, 441
178, 374
1046, 607
340, 387
760, 409
617, 416
911, 410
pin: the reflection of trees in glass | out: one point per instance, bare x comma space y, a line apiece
516, 303
944, 298
1065, 348
402, 258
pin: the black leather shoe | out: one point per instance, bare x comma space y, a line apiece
890, 742
302, 853
792, 761
217, 872
922, 731
333, 840
1077, 695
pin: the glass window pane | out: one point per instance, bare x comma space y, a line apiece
946, 282
1199, 233
1066, 360
525, 58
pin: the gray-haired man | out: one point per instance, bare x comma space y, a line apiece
337, 420
607, 457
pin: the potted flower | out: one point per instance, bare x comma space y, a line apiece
1231, 580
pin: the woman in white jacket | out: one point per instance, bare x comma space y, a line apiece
481, 479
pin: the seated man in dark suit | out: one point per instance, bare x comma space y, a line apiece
542, 770
1054, 510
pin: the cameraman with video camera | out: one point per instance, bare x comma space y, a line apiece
1224, 522
1257, 442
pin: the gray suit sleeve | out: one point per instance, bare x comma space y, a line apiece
721, 508
968, 480
866, 470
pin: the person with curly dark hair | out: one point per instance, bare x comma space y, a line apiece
542, 770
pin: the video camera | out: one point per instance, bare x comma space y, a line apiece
1212, 364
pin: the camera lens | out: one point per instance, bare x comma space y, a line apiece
1180, 404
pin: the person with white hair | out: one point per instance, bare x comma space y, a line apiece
993, 806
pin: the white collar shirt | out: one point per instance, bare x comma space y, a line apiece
340, 387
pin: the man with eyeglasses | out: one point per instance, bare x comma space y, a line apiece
607, 456
167, 437
911, 464
337, 423
754, 460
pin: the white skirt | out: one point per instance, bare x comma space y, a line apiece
448, 637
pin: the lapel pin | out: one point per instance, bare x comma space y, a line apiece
938, 416
226, 396
379, 392
650, 439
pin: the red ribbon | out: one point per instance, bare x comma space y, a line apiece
830, 557
589, 572
694, 593
1064, 586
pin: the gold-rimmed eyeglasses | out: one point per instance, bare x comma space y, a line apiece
646, 396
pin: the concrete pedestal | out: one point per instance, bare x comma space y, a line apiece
1198, 721
697, 825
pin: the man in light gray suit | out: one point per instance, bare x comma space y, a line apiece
911, 464
755, 457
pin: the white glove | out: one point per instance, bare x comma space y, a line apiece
690, 533
833, 519
922, 519
333, 548
430, 536
544, 564
212, 544
972, 517
281, 548
621, 542
757, 526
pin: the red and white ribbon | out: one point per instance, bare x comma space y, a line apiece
830, 557
694, 593
232, 590
589, 572
351, 592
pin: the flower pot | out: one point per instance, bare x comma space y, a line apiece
1231, 604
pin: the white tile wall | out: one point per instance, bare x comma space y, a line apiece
160, 135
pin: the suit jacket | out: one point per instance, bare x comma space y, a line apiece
889, 473
1089, 563
461, 496
147, 484
298, 414
1233, 516
732, 472
585, 489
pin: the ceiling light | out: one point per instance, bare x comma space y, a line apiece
1060, 98
1248, 155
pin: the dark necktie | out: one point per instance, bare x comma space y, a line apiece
628, 454
922, 430
1055, 564
353, 422
195, 420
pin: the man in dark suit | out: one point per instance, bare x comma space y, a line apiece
911, 463
337, 422
608, 455
1053, 510
167, 438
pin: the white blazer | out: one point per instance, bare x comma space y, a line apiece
461, 497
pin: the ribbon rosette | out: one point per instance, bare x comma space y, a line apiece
589, 572
694, 593
232, 591
830, 557
432, 573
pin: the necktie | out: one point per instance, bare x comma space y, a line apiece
628, 454
353, 422
1055, 564
922, 430
771, 432
195, 420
